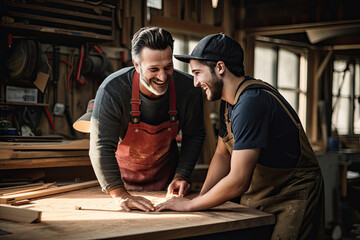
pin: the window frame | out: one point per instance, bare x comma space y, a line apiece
300, 90
351, 98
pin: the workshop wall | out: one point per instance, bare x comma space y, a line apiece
64, 28
80, 43
48, 96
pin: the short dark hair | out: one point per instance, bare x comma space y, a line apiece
234, 69
152, 37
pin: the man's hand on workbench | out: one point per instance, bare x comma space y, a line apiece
179, 184
176, 204
129, 202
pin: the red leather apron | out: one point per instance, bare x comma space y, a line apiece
148, 155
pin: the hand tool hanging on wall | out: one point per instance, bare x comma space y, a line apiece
59, 108
48, 115
81, 58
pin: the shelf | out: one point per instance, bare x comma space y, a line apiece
184, 25
54, 18
25, 104
44, 163
16, 155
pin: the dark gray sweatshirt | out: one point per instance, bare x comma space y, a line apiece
111, 116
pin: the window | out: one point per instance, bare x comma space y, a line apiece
345, 117
286, 69
183, 44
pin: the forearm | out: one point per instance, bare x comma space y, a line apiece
120, 192
233, 184
225, 190
107, 171
218, 169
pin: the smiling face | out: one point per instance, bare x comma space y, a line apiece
155, 69
207, 80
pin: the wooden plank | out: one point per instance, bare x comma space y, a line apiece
45, 186
57, 10
64, 145
80, 4
58, 20
210, 139
207, 12
183, 25
46, 192
9, 189
99, 209
21, 202
44, 162
60, 31
191, 11
136, 8
11, 154
17, 214
172, 8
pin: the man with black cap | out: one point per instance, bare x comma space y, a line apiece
262, 154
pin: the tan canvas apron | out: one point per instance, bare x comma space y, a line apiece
295, 196
148, 155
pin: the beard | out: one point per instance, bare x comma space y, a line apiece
215, 88
160, 90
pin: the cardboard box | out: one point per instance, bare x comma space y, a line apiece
24, 95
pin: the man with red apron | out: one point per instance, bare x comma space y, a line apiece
137, 115
144, 163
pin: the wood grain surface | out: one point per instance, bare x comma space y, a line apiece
100, 218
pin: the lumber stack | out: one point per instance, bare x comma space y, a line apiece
17, 155
24, 194
28, 193
19, 214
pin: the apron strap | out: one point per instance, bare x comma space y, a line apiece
267, 88
172, 107
136, 101
283, 105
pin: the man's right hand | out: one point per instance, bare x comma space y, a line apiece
129, 202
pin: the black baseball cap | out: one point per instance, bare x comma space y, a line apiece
216, 47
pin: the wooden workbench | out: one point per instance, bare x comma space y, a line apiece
101, 219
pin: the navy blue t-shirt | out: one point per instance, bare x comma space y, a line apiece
259, 121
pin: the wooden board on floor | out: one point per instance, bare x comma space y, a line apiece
19, 214
101, 219
45, 192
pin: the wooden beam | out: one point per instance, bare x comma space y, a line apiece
64, 145
323, 65
11, 154
297, 28
343, 47
183, 25
45, 186
17, 214
44, 162
62, 21
51, 10
17, 188
51, 30
41, 193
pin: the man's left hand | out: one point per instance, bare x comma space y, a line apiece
180, 184
175, 204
